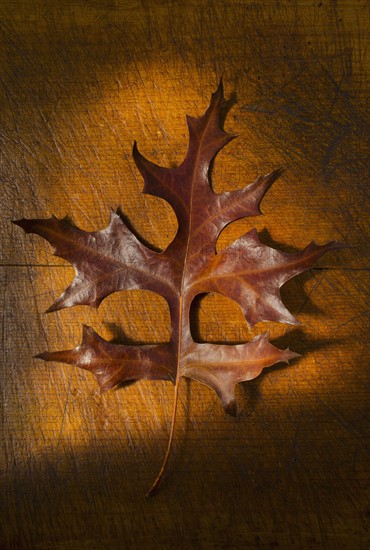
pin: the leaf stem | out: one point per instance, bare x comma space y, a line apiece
157, 481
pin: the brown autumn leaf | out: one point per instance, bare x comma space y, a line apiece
248, 271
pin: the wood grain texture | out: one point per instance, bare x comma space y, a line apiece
79, 82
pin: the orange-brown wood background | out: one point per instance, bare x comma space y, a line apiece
79, 82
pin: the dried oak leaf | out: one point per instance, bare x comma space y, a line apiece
248, 271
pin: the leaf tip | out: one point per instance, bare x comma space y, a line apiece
136, 155
218, 96
275, 174
41, 355
290, 355
24, 223
220, 87
336, 245
55, 307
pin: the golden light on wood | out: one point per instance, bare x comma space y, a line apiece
292, 468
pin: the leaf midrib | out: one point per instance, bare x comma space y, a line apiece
188, 240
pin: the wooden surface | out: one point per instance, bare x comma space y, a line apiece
79, 82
